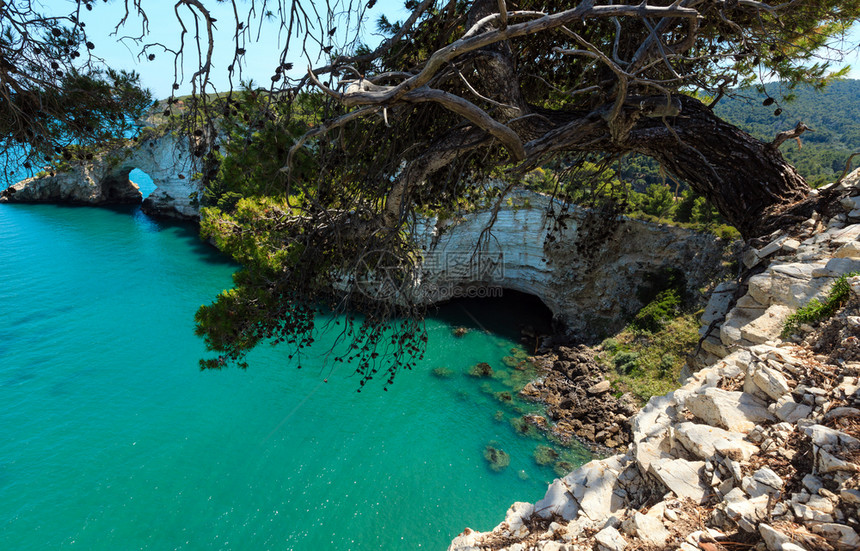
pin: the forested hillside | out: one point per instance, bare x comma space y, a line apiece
834, 114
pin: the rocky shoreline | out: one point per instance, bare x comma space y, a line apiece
579, 401
760, 448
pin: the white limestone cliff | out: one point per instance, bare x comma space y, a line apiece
587, 275
165, 158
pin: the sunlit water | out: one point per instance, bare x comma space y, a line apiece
111, 438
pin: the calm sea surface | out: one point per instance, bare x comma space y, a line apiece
111, 438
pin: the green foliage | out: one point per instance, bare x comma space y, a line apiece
610, 345
833, 113
658, 201
625, 362
654, 316
647, 364
817, 311
256, 139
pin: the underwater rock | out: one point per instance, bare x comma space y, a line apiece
544, 455
442, 373
498, 459
481, 369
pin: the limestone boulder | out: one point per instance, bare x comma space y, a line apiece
732, 410
770, 381
704, 441
682, 477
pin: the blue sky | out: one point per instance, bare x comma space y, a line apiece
260, 59
158, 75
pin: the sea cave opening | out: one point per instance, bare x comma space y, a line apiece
506, 312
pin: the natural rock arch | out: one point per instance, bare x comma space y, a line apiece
165, 158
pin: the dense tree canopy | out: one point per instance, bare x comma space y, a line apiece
314, 182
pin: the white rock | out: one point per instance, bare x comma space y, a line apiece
828, 438
806, 513
771, 381
763, 482
772, 247
825, 462
850, 203
731, 410
790, 246
738, 450
557, 501
843, 236
849, 250
854, 283
843, 537
773, 538
788, 410
649, 529
835, 267
593, 487
599, 388
748, 513
750, 258
767, 326
821, 504
554, 546
812, 483
610, 539
718, 303
518, 514
850, 496
702, 441
789, 284
682, 477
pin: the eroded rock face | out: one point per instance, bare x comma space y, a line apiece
91, 185
588, 274
166, 159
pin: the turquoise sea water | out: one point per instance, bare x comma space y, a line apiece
111, 438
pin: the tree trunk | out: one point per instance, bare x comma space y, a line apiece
745, 179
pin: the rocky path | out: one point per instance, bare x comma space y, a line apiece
759, 449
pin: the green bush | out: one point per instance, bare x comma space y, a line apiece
667, 364
626, 362
816, 310
654, 316
610, 345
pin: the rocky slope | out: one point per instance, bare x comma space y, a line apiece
760, 448
104, 180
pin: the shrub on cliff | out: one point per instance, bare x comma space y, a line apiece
654, 316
